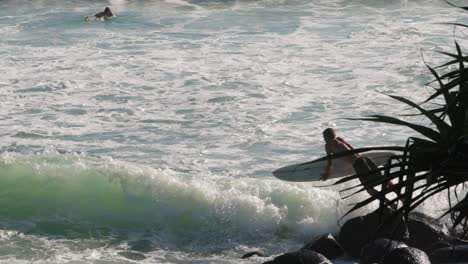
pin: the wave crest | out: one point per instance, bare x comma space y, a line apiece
56, 193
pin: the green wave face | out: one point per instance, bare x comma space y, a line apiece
73, 196
59, 193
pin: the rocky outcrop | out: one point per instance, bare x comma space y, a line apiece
303, 256
376, 250
141, 245
359, 231
438, 245
327, 246
137, 256
384, 238
406, 255
425, 231
253, 253
455, 254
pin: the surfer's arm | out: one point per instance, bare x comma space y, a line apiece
344, 142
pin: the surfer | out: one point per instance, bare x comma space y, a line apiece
361, 164
106, 14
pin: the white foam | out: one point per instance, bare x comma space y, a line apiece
118, 2
196, 106
181, 204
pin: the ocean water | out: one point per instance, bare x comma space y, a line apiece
151, 137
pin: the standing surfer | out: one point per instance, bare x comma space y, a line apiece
365, 168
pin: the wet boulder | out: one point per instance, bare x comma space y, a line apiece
375, 251
359, 231
425, 231
137, 256
327, 246
302, 256
253, 253
437, 245
141, 245
454, 254
406, 255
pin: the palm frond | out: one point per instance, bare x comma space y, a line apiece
462, 7
423, 130
443, 127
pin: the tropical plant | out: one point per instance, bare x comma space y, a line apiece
434, 161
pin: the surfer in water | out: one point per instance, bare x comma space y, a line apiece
361, 164
106, 14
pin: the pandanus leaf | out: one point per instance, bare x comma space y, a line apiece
443, 127
462, 7
425, 131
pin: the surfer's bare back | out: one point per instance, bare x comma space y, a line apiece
334, 144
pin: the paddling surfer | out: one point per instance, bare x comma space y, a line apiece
361, 164
106, 14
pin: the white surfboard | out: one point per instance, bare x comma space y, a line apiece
305, 172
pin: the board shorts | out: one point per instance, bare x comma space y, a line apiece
364, 165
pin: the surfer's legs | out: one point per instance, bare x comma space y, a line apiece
363, 166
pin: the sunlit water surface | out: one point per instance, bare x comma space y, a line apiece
151, 137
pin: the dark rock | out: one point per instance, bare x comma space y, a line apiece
302, 256
141, 245
454, 254
132, 255
406, 255
327, 246
425, 231
250, 254
437, 245
359, 231
374, 251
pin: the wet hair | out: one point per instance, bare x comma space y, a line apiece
107, 10
329, 133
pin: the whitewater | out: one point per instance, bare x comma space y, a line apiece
151, 137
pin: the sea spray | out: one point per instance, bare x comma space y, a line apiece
73, 190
